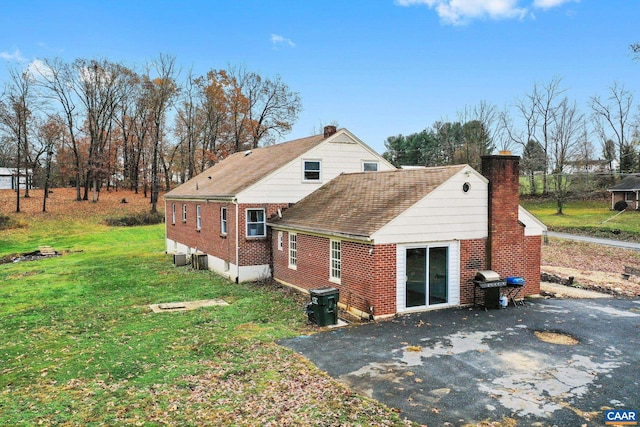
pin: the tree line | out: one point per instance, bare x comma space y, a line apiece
96, 123
561, 146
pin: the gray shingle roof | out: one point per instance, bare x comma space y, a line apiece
241, 170
630, 183
359, 204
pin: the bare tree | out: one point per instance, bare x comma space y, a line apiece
162, 91
611, 117
565, 131
16, 112
57, 79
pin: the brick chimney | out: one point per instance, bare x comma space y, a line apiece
505, 245
329, 130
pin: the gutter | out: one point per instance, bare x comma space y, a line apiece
323, 233
235, 202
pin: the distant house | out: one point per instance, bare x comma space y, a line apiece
628, 190
9, 179
223, 211
591, 166
407, 240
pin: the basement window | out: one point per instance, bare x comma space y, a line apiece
256, 226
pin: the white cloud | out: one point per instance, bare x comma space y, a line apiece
548, 4
15, 56
38, 68
277, 39
460, 12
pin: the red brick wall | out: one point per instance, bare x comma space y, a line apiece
472, 259
253, 250
209, 238
367, 279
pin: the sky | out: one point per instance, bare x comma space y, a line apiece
377, 67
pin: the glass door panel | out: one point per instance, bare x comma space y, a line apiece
438, 275
416, 289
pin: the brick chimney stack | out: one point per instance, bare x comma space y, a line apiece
505, 247
329, 130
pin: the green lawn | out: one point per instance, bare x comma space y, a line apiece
81, 347
586, 217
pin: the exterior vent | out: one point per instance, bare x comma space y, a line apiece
179, 259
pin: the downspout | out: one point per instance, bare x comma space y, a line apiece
235, 202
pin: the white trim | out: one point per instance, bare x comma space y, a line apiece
280, 240
263, 222
173, 213
198, 217
453, 276
184, 212
364, 162
335, 267
291, 248
223, 220
304, 170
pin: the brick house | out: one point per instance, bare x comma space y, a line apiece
222, 212
406, 240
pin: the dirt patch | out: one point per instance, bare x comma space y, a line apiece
555, 338
184, 306
593, 267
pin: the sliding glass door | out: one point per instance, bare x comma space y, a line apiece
427, 276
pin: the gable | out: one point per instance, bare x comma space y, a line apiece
447, 213
340, 153
358, 205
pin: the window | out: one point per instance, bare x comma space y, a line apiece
255, 223
369, 166
198, 217
223, 220
312, 170
280, 241
336, 266
184, 213
173, 213
293, 250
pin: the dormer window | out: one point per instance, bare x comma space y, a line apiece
311, 170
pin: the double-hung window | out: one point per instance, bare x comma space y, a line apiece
312, 170
256, 226
223, 220
336, 261
293, 250
198, 217
184, 212
173, 213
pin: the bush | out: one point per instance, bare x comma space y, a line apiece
6, 223
620, 205
145, 218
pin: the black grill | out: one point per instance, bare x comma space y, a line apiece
490, 283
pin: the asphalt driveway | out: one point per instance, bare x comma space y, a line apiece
462, 366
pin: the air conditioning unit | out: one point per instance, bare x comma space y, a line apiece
199, 261
179, 259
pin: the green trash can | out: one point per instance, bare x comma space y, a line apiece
324, 305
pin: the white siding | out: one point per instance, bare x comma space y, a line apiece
447, 213
533, 226
286, 184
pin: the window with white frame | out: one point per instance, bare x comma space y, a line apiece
370, 166
336, 261
293, 250
311, 170
198, 217
173, 213
256, 226
280, 240
184, 212
223, 220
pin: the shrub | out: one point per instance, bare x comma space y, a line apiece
6, 223
620, 205
145, 218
